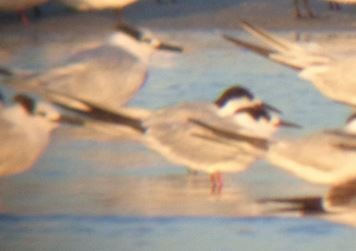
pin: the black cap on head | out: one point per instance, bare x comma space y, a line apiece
146, 38
27, 102
351, 118
257, 112
233, 92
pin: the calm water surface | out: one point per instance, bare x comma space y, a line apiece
85, 194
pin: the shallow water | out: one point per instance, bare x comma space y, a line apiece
117, 195
73, 232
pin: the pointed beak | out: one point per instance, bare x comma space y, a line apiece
70, 120
271, 108
168, 47
285, 123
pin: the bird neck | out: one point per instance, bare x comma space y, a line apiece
132, 46
351, 127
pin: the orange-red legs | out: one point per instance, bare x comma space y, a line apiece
216, 181
24, 18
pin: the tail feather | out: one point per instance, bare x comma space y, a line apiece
263, 51
275, 42
97, 113
281, 50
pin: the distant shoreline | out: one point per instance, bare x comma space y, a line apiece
225, 14
203, 15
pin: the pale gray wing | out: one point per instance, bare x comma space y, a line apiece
176, 138
335, 80
181, 113
324, 157
235, 137
105, 76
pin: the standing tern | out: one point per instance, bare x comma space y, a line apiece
332, 74
25, 128
182, 133
108, 75
245, 143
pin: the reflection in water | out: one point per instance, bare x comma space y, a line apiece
131, 192
125, 195
312, 207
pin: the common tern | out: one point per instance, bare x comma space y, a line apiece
331, 74
25, 128
327, 157
171, 131
108, 75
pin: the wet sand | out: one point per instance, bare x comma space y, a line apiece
209, 14
225, 14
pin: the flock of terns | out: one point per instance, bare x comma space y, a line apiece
225, 135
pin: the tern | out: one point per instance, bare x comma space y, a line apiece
25, 128
108, 75
327, 157
182, 133
330, 74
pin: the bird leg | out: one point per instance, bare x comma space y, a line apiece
334, 6
216, 182
37, 12
298, 14
24, 18
308, 9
